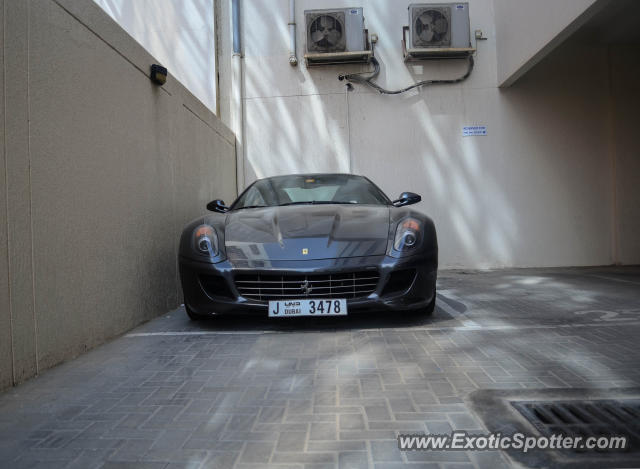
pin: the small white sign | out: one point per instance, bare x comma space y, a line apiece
474, 130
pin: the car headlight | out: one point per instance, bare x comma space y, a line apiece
408, 234
205, 240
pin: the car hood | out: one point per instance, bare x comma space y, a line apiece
305, 232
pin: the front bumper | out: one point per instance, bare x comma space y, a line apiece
226, 299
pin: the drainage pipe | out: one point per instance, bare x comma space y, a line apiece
293, 59
237, 120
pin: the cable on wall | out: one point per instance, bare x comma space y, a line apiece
368, 80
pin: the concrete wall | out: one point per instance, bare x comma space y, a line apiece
179, 33
103, 168
527, 31
625, 148
537, 191
5, 316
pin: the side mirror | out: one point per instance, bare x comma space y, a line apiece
217, 206
407, 198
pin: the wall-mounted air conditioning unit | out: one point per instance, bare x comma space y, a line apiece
336, 36
437, 30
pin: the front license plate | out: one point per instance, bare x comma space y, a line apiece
318, 307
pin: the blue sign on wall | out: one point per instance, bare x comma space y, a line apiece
474, 130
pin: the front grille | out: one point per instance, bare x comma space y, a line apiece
265, 287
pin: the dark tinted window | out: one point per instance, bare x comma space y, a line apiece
315, 189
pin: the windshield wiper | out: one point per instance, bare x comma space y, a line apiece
251, 206
317, 202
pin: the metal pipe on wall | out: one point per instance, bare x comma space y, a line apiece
237, 119
293, 59
235, 19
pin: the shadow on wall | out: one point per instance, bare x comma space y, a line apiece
307, 127
418, 141
311, 124
534, 192
300, 120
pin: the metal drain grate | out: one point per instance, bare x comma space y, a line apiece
585, 418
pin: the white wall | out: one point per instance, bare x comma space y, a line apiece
537, 191
528, 30
179, 33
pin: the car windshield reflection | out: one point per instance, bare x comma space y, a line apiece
340, 189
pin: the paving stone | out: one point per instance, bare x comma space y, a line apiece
324, 418
48, 455
271, 414
401, 427
134, 420
328, 394
248, 436
323, 431
58, 439
386, 451
131, 450
377, 412
291, 441
352, 422
437, 456
90, 459
133, 465
268, 466
366, 435
411, 465
171, 439
239, 423
176, 456
221, 459
257, 452
463, 422
336, 446
94, 443
489, 460
304, 458
353, 460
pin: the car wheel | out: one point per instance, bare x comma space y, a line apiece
432, 304
427, 310
193, 316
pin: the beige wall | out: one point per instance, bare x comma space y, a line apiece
5, 318
527, 31
103, 170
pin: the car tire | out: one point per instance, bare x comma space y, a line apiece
193, 316
432, 305
427, 310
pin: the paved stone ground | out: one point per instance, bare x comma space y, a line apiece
253, 393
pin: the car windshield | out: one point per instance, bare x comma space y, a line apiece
310, 190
